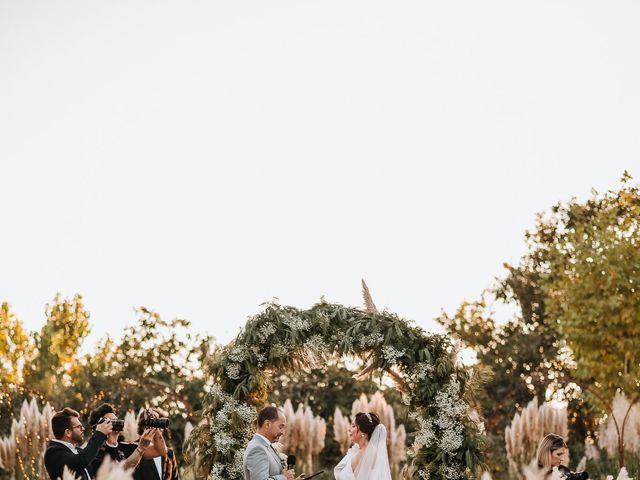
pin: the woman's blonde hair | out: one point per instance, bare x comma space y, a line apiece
548, 444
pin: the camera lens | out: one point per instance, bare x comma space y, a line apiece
156, 422
118, 425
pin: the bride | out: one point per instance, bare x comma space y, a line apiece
367, 459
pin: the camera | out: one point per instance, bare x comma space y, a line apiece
118, 425
156, 422
569, 475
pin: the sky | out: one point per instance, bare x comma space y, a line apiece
202, 157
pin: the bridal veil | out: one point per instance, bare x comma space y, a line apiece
375, 461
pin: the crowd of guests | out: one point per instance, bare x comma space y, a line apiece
148, 456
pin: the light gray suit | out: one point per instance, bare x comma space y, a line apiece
260, 461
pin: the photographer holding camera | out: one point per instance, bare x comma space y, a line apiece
553, 453
163, 465
129, 454
63, 450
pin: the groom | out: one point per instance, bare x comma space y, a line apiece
261, 461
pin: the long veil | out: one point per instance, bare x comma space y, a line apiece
375, 461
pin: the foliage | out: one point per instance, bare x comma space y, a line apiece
157, 363
590, 277
578, 319
283, 339
57, 346
14, 345
518, 357
592, 286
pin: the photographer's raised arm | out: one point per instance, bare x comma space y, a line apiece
84, 457
133, 460
155, 443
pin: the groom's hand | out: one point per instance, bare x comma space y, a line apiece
300, 477
288, 474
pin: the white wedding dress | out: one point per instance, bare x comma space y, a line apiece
343, 470
374, 464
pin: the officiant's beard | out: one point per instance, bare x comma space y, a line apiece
276, 430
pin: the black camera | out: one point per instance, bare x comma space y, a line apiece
118, 425
156, 422
569, 475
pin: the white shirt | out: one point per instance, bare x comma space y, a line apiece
264, 438
158, 462
70, 446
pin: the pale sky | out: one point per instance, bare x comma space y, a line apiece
199, 158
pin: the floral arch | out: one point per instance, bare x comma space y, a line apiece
284, 338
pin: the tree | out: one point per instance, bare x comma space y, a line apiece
520, 356
592, 289
14, 346
157, 363
57, 347
579, 313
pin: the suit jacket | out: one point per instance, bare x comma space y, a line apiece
117, 454
58, 455
261, 462
146, 469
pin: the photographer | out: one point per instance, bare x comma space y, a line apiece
553, 453
63, 450
163, 465
129, 454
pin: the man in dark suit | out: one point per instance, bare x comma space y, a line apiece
162, 464
126, 453
62, 450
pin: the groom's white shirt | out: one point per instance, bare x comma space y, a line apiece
260, 461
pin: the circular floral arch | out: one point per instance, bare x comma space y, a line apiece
285, 339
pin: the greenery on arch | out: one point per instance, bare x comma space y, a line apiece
283, 338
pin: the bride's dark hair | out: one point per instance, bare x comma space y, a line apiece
367, 422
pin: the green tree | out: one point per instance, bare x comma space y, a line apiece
57, 347
14, 346
578, 314
592, 289
157, 363
520, 355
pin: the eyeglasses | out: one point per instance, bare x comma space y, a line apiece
78, 426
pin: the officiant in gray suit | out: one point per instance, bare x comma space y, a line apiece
261, 461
